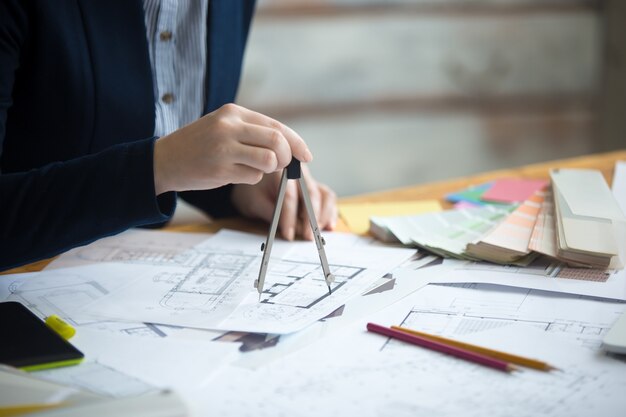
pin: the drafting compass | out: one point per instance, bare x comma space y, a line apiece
293, 172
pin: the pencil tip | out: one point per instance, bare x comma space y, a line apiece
513, 368
329, 291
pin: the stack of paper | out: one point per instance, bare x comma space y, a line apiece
508, 243
586, 218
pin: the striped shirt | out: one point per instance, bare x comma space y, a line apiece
176, 32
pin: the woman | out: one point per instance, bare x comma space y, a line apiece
109, 110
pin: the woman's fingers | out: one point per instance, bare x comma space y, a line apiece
268, 150
211, 151
240, 146
298, 147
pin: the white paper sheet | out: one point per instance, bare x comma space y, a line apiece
19, 387
181, 365
97, 378
121, 366
368, 375
541, 277
210, 295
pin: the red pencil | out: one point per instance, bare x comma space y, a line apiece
442, 347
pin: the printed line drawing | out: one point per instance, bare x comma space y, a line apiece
206, 283
138, 255
302, 284
62, 296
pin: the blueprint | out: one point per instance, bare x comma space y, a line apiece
53, 292
63, 291
472, 308
297, 295
217, 292
368, 375
111, 348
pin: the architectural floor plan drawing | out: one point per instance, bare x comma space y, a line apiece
218, 293
296, 294
302, 284
64, 291
191, 296
468, 313
206, 283
377, 377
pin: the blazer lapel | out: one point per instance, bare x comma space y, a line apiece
118, 48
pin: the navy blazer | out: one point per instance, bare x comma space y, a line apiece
77, 120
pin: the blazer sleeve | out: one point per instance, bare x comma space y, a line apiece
61, 205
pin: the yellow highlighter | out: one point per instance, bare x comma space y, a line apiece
60, 326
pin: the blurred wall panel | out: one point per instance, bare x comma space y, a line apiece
397, 92
318, 61
368, 151
613, 114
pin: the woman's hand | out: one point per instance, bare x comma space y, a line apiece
258, 201
230, 145
234, 145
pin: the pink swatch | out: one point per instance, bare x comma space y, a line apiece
512, 190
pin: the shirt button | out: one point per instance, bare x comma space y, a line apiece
165, 36
167, 98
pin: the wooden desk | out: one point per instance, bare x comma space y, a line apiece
604, 162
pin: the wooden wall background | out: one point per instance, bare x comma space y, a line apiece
397, 92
